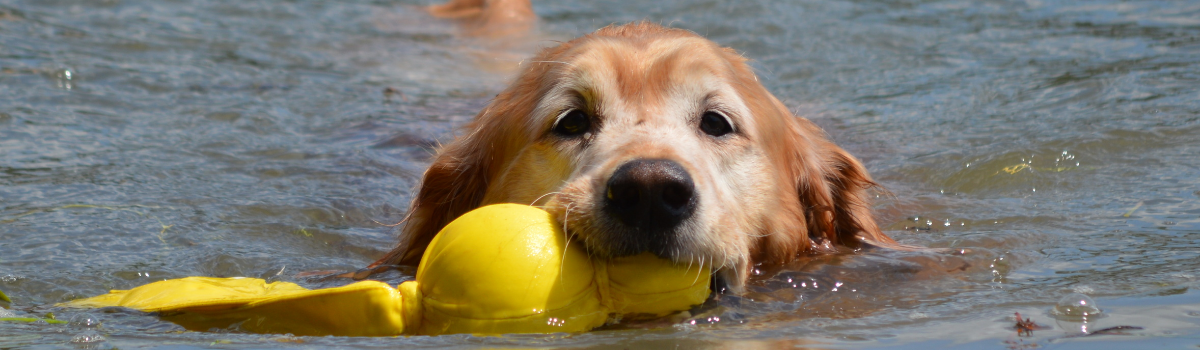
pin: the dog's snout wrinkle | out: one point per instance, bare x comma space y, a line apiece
650, 195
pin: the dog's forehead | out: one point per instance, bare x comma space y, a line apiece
646, 70
648, 74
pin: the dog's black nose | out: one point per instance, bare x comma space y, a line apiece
650, 195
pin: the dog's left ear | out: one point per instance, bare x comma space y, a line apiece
834, 195
853, 222
828, 204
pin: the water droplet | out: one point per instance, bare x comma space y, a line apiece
947, 222
64, 79
556, 322
928, 222
1000, 267
84, 320
1076, 306
88, 336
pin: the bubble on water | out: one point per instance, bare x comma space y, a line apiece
84, 320
1076, 306
947, 222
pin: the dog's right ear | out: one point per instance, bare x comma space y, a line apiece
458, 179
455, 183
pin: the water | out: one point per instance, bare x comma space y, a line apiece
1052, 146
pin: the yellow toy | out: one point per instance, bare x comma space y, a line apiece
503, 268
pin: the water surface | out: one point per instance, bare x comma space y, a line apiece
1052, 146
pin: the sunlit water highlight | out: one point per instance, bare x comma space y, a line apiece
1051, 147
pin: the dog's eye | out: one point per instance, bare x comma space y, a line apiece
574, 123
715, 124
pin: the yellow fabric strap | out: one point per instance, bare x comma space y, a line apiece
367, 308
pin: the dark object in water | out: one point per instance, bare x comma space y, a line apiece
1025, 326
1114, 330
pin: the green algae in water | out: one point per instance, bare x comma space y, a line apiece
30, 320
4, 297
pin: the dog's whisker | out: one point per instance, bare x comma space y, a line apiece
390, 225
724, 258
539, 198
559, 62
567, 245
692, 258
709, 263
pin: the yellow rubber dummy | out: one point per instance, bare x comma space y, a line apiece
503, 268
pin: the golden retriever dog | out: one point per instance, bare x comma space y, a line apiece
640, 138
488, 18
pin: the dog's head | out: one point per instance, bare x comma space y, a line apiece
643, 138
